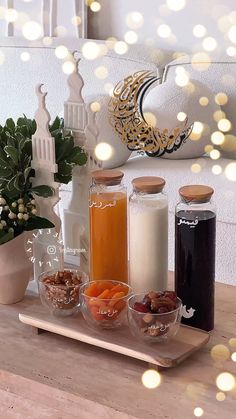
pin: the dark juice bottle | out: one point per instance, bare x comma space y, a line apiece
195, 230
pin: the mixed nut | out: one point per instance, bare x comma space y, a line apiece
62, 289
154, 303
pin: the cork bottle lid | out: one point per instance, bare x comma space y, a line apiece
107, 177
148, 184
198, 193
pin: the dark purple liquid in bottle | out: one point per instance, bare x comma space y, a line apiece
195, 266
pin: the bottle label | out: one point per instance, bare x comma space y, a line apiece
101, 205
187, 314
191, 224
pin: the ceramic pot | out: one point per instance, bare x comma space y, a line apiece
16, 270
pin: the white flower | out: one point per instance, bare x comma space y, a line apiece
20, 201
6, 208
20, 216
26, 217
3, 222
11, 215
11, 230
2, 201
14, 204
33, 202
34, 211
21, 208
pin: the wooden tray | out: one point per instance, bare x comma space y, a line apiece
187, 341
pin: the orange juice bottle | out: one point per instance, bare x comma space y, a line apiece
108, 226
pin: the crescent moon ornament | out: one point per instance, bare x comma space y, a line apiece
128, 119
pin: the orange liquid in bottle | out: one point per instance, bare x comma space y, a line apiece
108, 236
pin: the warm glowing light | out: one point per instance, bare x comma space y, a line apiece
151, 379
103, 151
61, 52
216, 169
220, 397
215, 154
176, 5
150, 118
201, 61
233, 356
230, 171
217, 138
199, 31
164, 31
221, 98
209, 44
76, 20
198, 412
25, 56
181, 116
101, 72
232, 34
32, 30
203, 101
218, 115
225, 381
134, 20
208, 148
11, 15
232, 342
95, 106
224, 125
90, 50
198, 127
95, 6
220, 352
68, 67
196, 168
231, 51
60, 31
108, 87
120, 47
182, 79
131, 37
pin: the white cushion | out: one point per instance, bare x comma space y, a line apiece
167, 100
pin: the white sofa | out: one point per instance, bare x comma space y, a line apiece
17, 95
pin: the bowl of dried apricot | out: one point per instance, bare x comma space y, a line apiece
104, 303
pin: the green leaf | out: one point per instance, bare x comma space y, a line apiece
63, 148
5, 172
12, 153
33, 127
56, 124
42, 190
77, 156
11, 184
64, 168
37, 223
28, 172
10, 124
3, 158
19, 182
27, 148
62, 179
6, 237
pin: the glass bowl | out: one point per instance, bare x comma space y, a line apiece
151, 327
104, 303
60, 290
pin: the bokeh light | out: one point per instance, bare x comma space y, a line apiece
176, 5
214, 154
233, 356
201, 61
231, 51
61, 52
120, 47
220, 397
199, 31
11, 15
164, 31
225, 381
47, 41
181, 116
209, 44
95, 106
101, 72
230, 171
198, 412
76, 20
221, 98
217, 137
220, 353
196, 168
131, 37
224, 125
103, 151
32, 30
108, 87
208, 148
232, 34
134, 20
90, 50
25, 56
204, 101
60, 31
216, 169
218, 115
151, 379
150, 118
197, 127
232, 342
68, 67
95, 6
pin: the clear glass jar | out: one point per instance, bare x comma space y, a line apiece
148, 235
108, 226
195, 236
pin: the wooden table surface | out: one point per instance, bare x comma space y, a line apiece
49, 376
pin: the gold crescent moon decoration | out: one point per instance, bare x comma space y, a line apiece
127, 118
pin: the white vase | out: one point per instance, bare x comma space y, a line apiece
16, 270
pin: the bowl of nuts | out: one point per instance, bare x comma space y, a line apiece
154, 316
60, 290
104, 303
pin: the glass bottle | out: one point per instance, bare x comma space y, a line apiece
108, 226
148, 235
195, 235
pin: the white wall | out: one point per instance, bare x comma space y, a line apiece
111, 21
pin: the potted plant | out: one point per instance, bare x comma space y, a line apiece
18, 208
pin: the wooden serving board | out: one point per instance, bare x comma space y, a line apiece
187, 341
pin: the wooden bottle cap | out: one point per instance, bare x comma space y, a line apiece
108, 177
198, 193
148, 184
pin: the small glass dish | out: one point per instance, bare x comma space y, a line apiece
151, 327
60, 290
104, 303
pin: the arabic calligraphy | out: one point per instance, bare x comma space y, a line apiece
192, 224
101, 205
127, 118
108, 313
